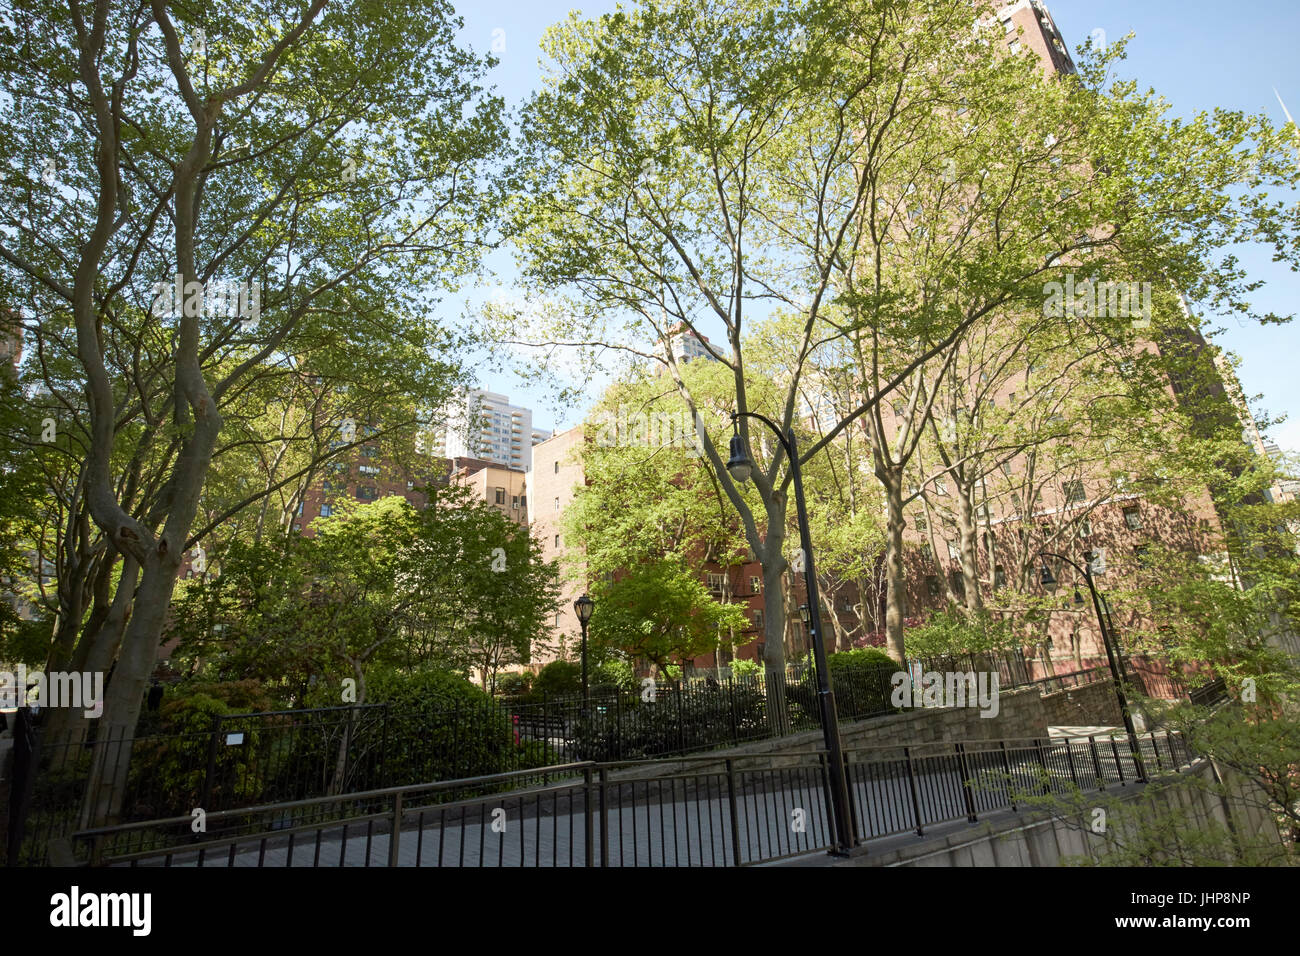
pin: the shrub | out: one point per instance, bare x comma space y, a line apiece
676, 720
744, 669
558, 679
955, 632
440, 727
514, 685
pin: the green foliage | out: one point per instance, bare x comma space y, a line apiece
844, 661
514, 684
676, 720
741, 669
955, 632
169, 772
441, 727
661, 611
558, 679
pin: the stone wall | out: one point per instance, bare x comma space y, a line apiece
1090, 705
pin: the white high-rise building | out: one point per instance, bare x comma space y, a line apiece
481, 424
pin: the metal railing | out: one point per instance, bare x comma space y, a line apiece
702, 811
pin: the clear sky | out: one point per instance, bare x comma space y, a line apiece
1198, 55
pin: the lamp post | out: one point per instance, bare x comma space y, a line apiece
741, 466
1049, 582
583, 608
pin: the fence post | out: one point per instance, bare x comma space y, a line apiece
589, 831
735, 817
1069, 757
731, 703
1096, 762
965, 783
205, 798
911, 782
1006, 769
1047, 772
604, 821
395, 832
1155, 749
1119, 767
618, 723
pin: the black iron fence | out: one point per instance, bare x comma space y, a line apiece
289, 756
710, 812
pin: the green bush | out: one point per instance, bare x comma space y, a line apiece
742, 669
676, 720
514, 685
440, 727
954, 632
558, 679
170, 772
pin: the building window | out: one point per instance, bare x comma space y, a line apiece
523, 501
365, 493
926, 552
500, 496
1142, 553
954, 553
1014, 46
557, 504
1133, 518
932, 586
756, 584
514, 502
557, 467
940, 488
919, 522
557, 540
715, 582
758, 618
1074, 492
326, 511
957, 582
999, 577
368, 469
1085, 529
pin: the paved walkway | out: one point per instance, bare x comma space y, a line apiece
664, 828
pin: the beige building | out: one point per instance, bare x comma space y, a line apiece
557, 473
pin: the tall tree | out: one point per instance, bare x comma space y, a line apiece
333, 157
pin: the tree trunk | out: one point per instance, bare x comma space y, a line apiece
895, 577
774, 634
125, 693
968, 530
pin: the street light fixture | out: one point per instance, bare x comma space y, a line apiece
741, 467
583, 608
1049, 582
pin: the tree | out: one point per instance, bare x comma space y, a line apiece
660, 611
287, 175
876, 169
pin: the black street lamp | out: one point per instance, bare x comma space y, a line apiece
1049, 581
741, 466
805, 615
583, 608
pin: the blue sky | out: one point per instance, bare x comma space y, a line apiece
1197, 54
